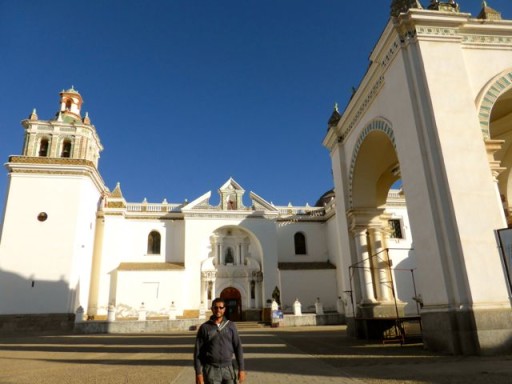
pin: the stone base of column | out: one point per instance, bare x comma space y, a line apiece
468, 332
380, 309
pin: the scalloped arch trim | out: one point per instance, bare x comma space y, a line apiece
376, 125
500, 86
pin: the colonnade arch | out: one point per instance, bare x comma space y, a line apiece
495, 114
374, 168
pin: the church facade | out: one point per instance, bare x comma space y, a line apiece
421, 161
90, 248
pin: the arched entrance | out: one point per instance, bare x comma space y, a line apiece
233, 301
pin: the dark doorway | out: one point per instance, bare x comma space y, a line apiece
233, 301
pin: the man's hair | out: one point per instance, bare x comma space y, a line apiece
218, 300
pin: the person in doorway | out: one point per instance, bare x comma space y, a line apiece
217, 341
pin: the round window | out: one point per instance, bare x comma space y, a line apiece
42, 216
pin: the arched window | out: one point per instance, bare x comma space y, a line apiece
154, 243
299, 240
66, 148
68, 105
43, 147
229, 259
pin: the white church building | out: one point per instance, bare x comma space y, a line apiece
88, 247
413, 228
91, 248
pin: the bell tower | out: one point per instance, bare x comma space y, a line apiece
54, 193
66, 136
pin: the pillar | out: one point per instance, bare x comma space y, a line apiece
364, 265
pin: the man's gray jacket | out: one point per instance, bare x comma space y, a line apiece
214, 347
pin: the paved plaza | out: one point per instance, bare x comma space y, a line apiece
273, 355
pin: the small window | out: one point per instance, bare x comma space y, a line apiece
395, 225
66, 149
154, 243
300, 243
43, 147
68, 105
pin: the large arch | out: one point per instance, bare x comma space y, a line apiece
374, 169
374, 165
495, 114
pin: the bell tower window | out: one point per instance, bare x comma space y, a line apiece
66, 148
43, 147
68, 105
229, 258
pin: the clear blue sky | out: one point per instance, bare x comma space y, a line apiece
185, 94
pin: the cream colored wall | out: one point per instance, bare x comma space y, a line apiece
468, 177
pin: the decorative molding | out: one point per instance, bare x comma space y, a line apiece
304, 266
486, 40
436, 31
50, 161
500, 85
363, 106
151, 266
392, 51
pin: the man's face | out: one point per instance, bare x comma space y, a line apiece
218, 309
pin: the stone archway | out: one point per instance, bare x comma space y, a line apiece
233, 300
495, 114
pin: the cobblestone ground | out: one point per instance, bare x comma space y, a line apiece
293, 355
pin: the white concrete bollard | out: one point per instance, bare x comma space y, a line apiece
319, 307
111, 313
172, 312
297, 308
142, 312
79, 315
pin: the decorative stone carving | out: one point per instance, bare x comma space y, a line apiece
444, 6
402, 6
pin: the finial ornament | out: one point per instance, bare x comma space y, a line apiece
335, 117
86, 119
402, 6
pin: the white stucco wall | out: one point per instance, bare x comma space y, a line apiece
306, 286
45, 262
316, 242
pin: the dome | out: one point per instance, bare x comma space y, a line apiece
325, 198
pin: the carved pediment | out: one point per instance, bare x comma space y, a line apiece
260, 204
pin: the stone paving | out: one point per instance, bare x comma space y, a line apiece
277, 356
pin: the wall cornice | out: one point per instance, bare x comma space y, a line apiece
55, 166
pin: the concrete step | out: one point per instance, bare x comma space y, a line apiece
249, 324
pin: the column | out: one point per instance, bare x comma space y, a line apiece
364, 265
381, 262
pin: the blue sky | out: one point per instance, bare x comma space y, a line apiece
185, 93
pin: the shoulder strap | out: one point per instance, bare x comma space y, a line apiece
222, 326
218, 330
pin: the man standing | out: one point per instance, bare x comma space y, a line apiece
216, 342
